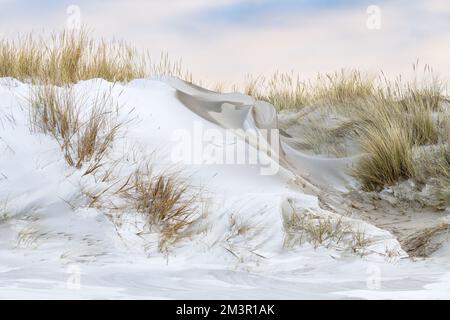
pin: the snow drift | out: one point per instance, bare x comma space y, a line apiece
53, 245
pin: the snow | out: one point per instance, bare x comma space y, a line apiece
53, 246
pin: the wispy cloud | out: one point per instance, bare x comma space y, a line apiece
261, 12
225, 39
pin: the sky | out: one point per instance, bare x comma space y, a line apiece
226, 40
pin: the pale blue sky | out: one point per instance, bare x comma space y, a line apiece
226, 39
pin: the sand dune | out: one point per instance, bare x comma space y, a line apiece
52, 244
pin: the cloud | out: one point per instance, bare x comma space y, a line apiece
260, 12
222, 40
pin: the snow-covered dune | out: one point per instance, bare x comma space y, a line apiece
53, 245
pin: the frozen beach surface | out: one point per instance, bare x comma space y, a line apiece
53, 245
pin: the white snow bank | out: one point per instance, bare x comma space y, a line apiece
50, 245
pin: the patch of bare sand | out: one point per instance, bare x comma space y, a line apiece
403, 211
420, 229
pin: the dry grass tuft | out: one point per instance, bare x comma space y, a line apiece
83, 138
5, 212
441, 193
69, 57
316, 230
351, 113
343, 87
387, 156
284, 90
426, 242
287, 92
433, 168
166, 67
360, 242
166, 201
325, 231
389, 131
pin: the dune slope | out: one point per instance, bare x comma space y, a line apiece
247, 242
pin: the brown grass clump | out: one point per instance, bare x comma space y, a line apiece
69, 57
360, 242
323, 231
389, 131
382, 120
167, 203
426, 242
284, 90
349, 111
343, 87
387, 157
166, 67
83, 138
441, 193
287, 92
318, 231
433, 168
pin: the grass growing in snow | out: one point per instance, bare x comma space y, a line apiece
426, 242
85, 130
341, 87
69, 57
287, 92
83, 138
283, 90
167, 203
323, 231
169, 206
433, 167
385, 120
387, 157
5, 213
390, 128
318, 231
360, 242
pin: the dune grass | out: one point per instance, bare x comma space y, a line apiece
387, 156
84, 138
387, 120
169, 206
391, 125
428, 241
167, 203
284, 90
318, 231
287, 92
342, 87
432, 167
68, 57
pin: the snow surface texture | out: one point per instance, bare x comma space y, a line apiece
53, 246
